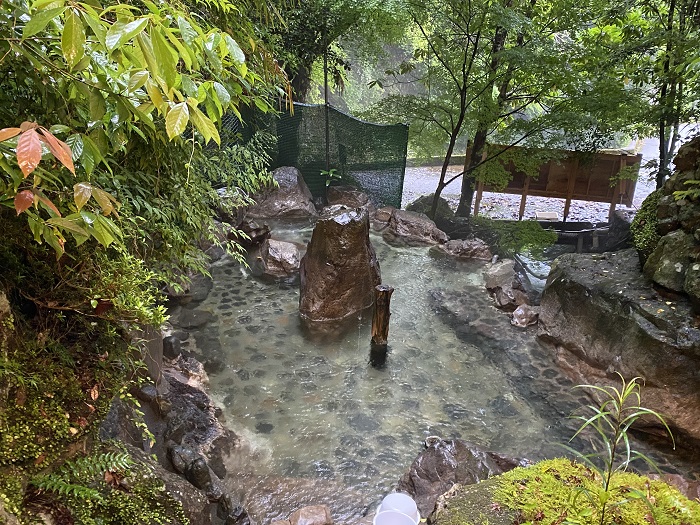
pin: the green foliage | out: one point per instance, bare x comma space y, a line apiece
692, 193
331, 176
611, 421
110, 488
550, 492
643, 227
510, 237
119, 74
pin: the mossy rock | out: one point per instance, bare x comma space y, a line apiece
554, 491
472, 505
643, 227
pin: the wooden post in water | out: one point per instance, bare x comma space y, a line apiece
380, 319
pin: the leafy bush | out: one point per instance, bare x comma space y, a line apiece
110, 488
509, 237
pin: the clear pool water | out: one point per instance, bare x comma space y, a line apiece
320, 424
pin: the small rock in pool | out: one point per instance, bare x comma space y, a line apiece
264, 428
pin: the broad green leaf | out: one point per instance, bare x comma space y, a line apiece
58, 129
37, 228
234, 49
68, 224
97, 104
93, 20
222, 93
176, 120
39, 4
155, 95
204, 125
146, 47
54, 241
73, 39
101, 233
165, 57
137, 80
103, 199
211, 50
40, 20
185, 53
75, 142
188, 85
81, 194
121, 32
186, 31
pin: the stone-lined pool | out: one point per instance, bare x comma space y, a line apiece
321, 425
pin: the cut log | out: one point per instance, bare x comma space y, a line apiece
380, 319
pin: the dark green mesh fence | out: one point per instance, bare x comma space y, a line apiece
369, 156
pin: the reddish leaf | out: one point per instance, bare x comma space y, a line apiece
59, 149
23, 200
8, 133
48, 204
26, 125
28, 151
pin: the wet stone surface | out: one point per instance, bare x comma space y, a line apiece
310, 410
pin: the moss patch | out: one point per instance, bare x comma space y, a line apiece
560, 490
643, 227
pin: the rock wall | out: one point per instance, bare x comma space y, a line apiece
675, 262
601, 316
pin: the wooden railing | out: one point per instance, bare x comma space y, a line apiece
575, 175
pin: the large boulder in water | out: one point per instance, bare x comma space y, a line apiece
407, 228
600, 315
447, 462
339, 271
290, 199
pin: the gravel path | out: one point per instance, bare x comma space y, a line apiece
423, 180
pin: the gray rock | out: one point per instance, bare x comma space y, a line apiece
599, 315
290, 199
424, 204
195, 503
190, 319
669, 262
255, 232
688, 155
407, 228
446, 462
339, 271
201, 476
380, 220
313, 515
525, 315
172, 347
465, 249
279, 258
349, 197
504, 286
